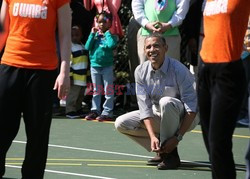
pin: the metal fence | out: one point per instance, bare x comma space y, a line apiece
121, 59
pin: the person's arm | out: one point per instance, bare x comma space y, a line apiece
186, 83
5, 22
114, 6
142, 94
186, 122
140, 17
88, 4
145, 107
178, 16
62, 83
111, 40
155, 143
90, 41
172, 143
138, 12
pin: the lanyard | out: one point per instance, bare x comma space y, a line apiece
161, 4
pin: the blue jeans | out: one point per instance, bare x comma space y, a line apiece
103, 76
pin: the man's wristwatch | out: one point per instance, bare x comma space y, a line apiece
178, 137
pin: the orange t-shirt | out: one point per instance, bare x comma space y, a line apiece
225, 24
31, 42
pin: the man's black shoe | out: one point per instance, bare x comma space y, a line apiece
170, 161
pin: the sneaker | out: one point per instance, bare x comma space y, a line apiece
72, 115
104, 118
91, 116
243, 121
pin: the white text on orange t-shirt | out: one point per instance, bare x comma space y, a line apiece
30, 10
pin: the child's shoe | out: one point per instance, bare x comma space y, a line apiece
72, 115
91, 116
102, 118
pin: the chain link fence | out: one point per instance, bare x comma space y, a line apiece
122, 58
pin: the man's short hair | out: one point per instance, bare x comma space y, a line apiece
159, 36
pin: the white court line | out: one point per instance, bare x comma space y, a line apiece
66, 173
102, 151
90, 150
109, 152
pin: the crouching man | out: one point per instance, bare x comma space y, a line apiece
167, 102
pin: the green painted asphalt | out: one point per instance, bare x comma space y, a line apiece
89, 149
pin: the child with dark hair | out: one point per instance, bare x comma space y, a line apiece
100, 44
111, 7
78, 75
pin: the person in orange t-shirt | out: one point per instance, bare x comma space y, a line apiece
221, 80
28, 75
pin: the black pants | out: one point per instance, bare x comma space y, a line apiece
29, 92
221, 88
244, 107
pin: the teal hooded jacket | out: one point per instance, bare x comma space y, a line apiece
101, 49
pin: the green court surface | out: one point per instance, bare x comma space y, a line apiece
90, 149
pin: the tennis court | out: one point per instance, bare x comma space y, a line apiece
90, 149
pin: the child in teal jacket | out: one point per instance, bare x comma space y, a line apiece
101, 44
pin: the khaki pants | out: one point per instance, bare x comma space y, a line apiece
75, 98
166, 122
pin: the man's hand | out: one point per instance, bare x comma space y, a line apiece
169, 145
155, 144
